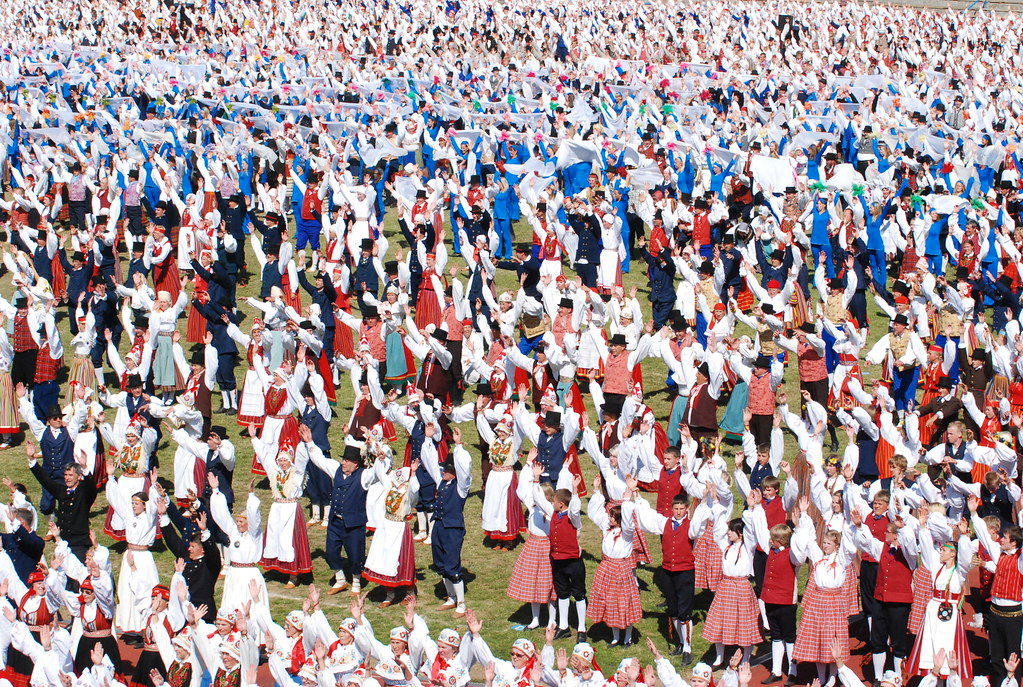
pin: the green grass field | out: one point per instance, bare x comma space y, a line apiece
488, 570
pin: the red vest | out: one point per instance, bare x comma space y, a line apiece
701, 228
1008, 582
98, 624
775, 512
564, 537
811, 363
23, 340
894, 578
617, 376
453, 324
879, 528
761, 395
371, 333
676, 548
668, 487
779, 579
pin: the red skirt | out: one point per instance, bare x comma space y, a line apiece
923, 590
825, 618
427, 307
195, 333
531, 580
343, 342
303, 562
884, 453
323, 366
406, 575
59, 283
708, 560
734, 615
851, 588
166, 278
16, 679
614, 594
515, 516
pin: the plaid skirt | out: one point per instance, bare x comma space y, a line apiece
531, 580
923, 590
825, 618
734, 615
614, 594
708, 561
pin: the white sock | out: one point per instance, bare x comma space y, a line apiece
326, 513
562, 614
898, 665
233, 395
225, 400
339, 577
580, 610
789, 648
878, 661
719, 648
459, 591
421, 521
777, 654
449, 587
356, 583
99, 374
535, 609
628, 634
552, 613
615, 634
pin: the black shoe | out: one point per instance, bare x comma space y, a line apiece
677, 651
563, 634
771, 679
581, 637
792, 680
687, 658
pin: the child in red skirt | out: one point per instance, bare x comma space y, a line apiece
734, 614
825, 604
614, 593
531, 581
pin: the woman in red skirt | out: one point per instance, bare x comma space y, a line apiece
710, 517
825, 604
431, 292
531, 580
734, 615
614, 593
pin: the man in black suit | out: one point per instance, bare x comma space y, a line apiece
74, 498
200, 557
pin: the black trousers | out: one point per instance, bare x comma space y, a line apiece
781, 622
891, 626
678, 588
818, 390
759, 570
1003, 636
760, 427
23, 368
868, 582
569, 576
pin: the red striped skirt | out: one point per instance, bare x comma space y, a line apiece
515, 516
428, 310
531, 580
825, 618
708, 560
923, 590
885, 451
303, 562
195, 332
614, 594
406, 575
734, 615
